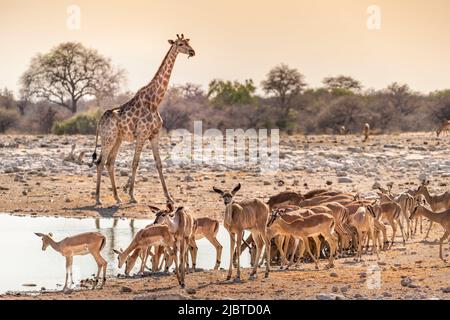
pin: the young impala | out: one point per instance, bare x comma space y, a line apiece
85, 243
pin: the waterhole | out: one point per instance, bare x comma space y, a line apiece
24, 266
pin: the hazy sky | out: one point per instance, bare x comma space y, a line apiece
239, 39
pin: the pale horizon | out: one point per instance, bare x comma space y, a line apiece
241, 40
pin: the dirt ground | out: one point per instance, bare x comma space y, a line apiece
35, 181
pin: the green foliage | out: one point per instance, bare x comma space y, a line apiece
341, 92
231, 93
82, 123
8, 119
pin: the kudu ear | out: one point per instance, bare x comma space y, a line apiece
218, 191
154, 209
236, 189
39, 234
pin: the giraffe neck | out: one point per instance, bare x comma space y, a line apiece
154, 92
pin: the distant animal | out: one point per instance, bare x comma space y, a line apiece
343, 130
444, 128
72, 157
366, 132
78, 245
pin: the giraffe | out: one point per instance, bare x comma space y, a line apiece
137, 120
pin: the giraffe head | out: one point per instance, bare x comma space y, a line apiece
182, 46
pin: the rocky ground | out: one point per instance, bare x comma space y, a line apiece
34, 180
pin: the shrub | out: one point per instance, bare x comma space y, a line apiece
82, 123
8, 119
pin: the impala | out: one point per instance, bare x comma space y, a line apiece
442, 218
249, 215
85, 243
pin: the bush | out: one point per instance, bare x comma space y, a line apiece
8, 119
82, 123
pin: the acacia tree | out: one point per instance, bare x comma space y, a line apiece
68, 73
231, 93
342, 82
284, 84
401, 97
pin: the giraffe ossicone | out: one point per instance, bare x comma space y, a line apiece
137, 120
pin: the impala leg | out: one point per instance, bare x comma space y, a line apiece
182, 263
394, 231
421, 219
300, 246
332, 243
68, 270
279, 243
259, 245
295, 248
218, 247
374, 244
232, 244
308, 250
445, 236
429, 229
156, 156
175, 257
101, 264
317, 247
144, 261
240, 235
402, 231
194, 254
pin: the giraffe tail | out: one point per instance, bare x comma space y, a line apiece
94, 155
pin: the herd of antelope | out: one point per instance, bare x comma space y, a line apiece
324, 223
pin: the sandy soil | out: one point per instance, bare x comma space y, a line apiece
34, 180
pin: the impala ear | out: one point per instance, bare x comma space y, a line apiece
236, 189
116, 251
218, 191
39, 234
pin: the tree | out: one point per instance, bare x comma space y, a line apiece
285, 84
6, 98
345, 111
401, 97
231, 93
70, 72
191, 91
342, 83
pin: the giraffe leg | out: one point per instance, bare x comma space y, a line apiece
137, 155
155, 149
110, 167
100, 167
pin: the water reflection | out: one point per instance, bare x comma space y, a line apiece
48, 268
